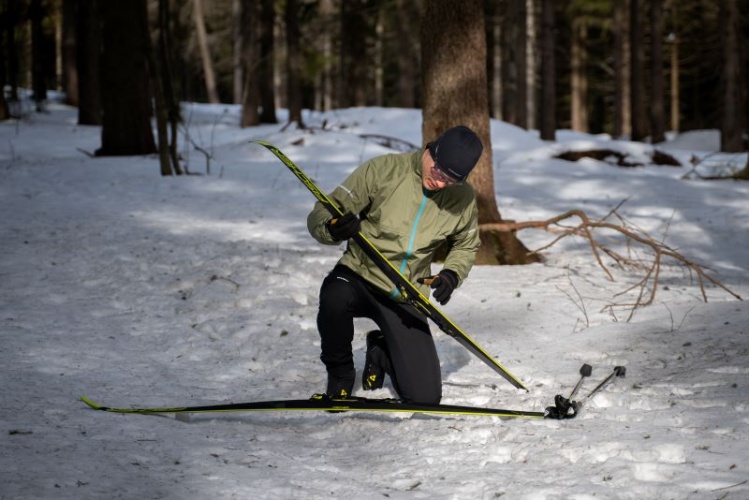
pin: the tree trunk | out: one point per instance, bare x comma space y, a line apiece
38, 76
168, 112
657, 108
267, 62
638, 99
622, 117
353, 60
69, 70
532, 56
378, 70
455, 93
326, 85
407, 60
732, 115
205, 54
10, 21
493, 21
579, 76
251, 62
514, 63
675, 115
548, 73
237, 66
88, 62
509, 61
126, 95
294, 63
521, 40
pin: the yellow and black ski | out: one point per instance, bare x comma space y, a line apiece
321, 402
407, 289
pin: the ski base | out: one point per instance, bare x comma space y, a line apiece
322, 402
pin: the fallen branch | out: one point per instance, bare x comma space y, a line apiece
634, 237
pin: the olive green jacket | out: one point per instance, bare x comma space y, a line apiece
405, 222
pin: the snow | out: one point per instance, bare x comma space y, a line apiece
138, 290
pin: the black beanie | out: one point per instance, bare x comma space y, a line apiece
456, 151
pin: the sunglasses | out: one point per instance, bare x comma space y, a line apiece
440, 176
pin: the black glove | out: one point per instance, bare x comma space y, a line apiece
443, 285
344, 227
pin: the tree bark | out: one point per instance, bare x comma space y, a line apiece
293, 63
732, 115
326, 84
267, 62
407, 58
69, 69
251, 63
657, 108
353, 59
548, 73
38, 76
622, 117
205, 54
579, 76
126, 94
237, 66
638, 99
455, 93
88, 62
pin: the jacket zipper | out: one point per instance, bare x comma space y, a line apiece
412, 239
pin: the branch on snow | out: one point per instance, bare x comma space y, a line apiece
634, 238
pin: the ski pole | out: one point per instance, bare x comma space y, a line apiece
585, 371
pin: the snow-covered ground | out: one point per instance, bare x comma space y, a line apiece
138, 290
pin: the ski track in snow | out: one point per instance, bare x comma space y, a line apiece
140, 291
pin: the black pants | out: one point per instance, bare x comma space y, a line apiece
344, 295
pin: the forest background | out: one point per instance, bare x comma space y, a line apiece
633, 69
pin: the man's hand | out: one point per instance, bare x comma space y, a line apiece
443, 285
344, 227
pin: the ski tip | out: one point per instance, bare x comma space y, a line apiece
263, 143
90, 403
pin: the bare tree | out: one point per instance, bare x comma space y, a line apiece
455, 93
